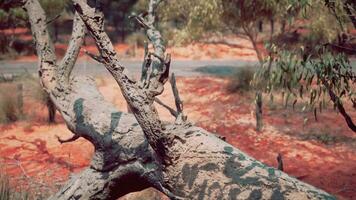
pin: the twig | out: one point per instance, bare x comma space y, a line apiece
24, 173
165, 74
71, 139
141, 21
178, 102
181, 118
97, 58
53, 19
280, 162
145, 65
171, 110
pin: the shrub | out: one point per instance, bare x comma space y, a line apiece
136, 39
9, 109
11, 101
241, 80
7, 192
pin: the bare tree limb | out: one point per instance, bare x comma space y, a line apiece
144, 111
177, 100
337, 102
71, 139
97, 58
76, 41
280, 162
145, 65
44, 45
181, 118
159, 69
53, 19
171, 110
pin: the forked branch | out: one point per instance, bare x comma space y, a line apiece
76, 41
140, 99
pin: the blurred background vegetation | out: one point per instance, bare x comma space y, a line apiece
303, 49
285, 22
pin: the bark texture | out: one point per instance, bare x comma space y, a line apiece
136, 151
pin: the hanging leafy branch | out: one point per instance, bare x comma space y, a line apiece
314, 79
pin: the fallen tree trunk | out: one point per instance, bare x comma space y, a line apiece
136, 151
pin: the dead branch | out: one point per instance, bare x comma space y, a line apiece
53, 19
76, 41
280, 162
97, 58
177, 100
71, 139
144, 112
171, 110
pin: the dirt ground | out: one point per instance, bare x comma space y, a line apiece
321, 153
238, 48
32, 156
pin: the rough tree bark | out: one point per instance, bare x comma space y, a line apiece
138, 150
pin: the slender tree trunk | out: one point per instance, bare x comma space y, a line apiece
20, 98
272, 27
283, 26
258, 112
51, 111
258, 95
260, 26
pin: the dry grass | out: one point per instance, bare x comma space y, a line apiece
8, 193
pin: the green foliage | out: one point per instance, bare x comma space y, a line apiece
189, 20
117, 14
12, 17
137, 38
324, 136
54, 7
194, 19
310, 79
221, 71
241, 80
325, 25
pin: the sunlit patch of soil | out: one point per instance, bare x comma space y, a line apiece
330, 166
242, 49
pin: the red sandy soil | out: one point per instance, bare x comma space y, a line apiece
31, 154
195, 51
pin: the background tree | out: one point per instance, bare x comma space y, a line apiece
318, 22
317, 70
118, 12
10, 18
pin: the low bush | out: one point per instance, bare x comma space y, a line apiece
136, 39
241, 80
15, 93
9, 104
